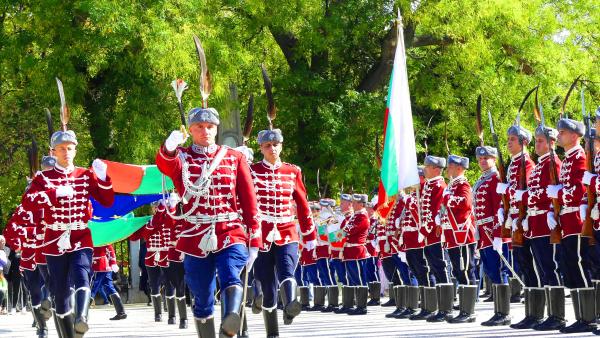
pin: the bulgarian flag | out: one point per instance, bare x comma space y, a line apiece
399, 164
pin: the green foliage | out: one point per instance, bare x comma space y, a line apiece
117, 60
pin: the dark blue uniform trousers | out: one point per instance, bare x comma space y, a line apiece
407, 277
419, 266
547, 259
372, 269
434, 254
355, 270
69, 269
200, 275
274, 266
325, 274
493, 266
340, 270
463, 263
34, 283
174, 279
574, 262
103, 280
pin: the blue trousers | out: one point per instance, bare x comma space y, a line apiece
434, 254
574, 266
463, 263
355, 270
340, 271
275, 266
407, 277
103, 280
43, 268
174, 279
419, 266
525, 264
155, 278
34, 283
69, 269
493, 266
372, 269
389, 269
200, 276
325, 274
547, 258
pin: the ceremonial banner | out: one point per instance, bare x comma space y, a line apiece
104, 233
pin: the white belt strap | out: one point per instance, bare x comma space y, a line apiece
209, 219
568, 210
67, 226
484, 220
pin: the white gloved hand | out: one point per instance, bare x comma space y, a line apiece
501, 188
595, 214
420, 238
310, 245
252, 254
375, 245
100, 169
402, 256
437, 219
552, 190
514, 224
173, 199
552, 223
114, 268
587, 177
525, 225
65, 191
497, 244
501, 216
519, 195
445, 192
583, 211
176, 138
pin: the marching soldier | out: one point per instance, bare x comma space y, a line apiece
307, 268
337, 254
574, 247
278, 185
457, 220
157, 235
537, 233
213, 181
487, 208
431, 200
519, 157
326, 216
104, 263
64, 192
355, 253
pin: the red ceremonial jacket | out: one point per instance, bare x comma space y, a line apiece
356, 230
572, 194
409, 225
20, 235
486, 204
538, 202
158, 235
388, 242
104, 258
277, 187
372, 245
431, 200
458, 220
513, 175
229, 188
63, 216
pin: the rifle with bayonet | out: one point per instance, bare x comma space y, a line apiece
506, 232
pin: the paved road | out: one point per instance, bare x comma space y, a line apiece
309, 324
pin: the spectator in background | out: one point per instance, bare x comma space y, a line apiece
4, 267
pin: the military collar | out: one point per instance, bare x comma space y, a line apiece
361, 211
64, 170
435, 179
274, 166
572, 150
517, 156
204, 150
543, 157
458, 178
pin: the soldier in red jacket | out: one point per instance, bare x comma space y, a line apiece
337, 249
372, 262
104, 263
326, 217
458, 224
522, 255
537, 233
574, 248
219, 204
278, 186
63, 193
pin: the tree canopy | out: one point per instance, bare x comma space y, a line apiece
329, 60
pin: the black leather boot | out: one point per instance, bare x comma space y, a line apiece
556, 310
82, 306
231, 299
291, 306
119, 308
467, 295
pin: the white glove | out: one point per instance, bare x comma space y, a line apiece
514, 224
552, 223
501, 188
501, 216
587, 177
114, 268
552, 190
176, 138
519, 195
445, 192
65, 191
595, 214
375, 245
100, 169
525, 224
420, 238
497, 244
437, 219
583, 211
252, 254
173, 199
402, 256
310, 245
